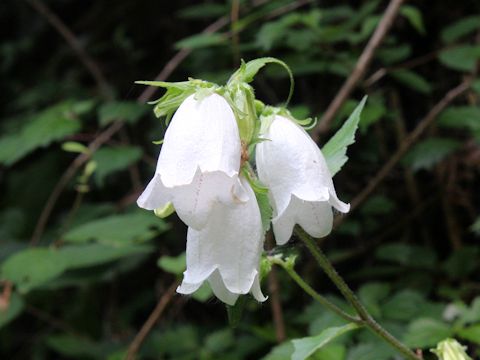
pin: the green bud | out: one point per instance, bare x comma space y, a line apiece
243, 103
451, 349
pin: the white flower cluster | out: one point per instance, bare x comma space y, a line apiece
199, 173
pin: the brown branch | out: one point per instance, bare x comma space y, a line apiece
73, 42
360, 67
275, 303
409, 141
151, 321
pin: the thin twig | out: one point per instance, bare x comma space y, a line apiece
77, 47
151, 321
360, 67
410, 140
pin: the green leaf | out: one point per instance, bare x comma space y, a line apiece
280, 352
430, 152
414, 16
460, 28
335, 149
175, 265
85, 255
412, 80
118, 229
471, 333
203, 11
14, 308
112, 159
407, 255
372, 294
128, 111
201, 40
33, 267
403, 306
458, 117
461, 58
75, 147
72, 346
305, 347
43, 128
371, 350
475, 227
425, 332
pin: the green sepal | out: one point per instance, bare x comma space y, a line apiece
247, 71
164, 212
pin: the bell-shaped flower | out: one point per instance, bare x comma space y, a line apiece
199, 161
301, 192
226, 252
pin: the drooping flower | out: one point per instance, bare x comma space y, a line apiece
226, 252
199, 161
292, 166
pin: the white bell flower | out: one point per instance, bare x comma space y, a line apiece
226, 252
301, 192
199, 161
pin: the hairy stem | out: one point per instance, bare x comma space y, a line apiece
310, 291
368, 321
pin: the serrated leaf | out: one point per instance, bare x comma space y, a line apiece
335, 149
460, 28
430, 152
43, 128
15, 308
112, 159
118, 229
128, 111
305, 347
461, 58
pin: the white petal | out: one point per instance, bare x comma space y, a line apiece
194, 202
155, 195
219, 289
187, 288
231, 242
203, 133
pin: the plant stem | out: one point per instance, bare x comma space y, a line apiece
310, 291
368, 321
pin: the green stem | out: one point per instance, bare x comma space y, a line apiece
368, 321
310, 291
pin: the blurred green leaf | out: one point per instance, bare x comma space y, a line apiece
175, 265
14, 308
40, 130
412, 80
335, 149
460, 28
425, 332
407, 255
112, 159
461, 58
201, 41
32, 267
471, 333
305, 347
430, 152
123, 229
203, 11
372, 350
128, 111
461, 117
414, 16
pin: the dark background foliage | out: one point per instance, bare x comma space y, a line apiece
82, 286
